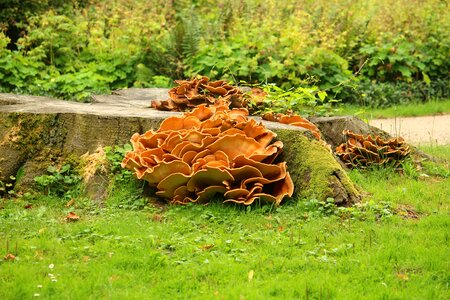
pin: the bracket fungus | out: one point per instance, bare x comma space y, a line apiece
293, 119
208, 151
363, 151
200, 90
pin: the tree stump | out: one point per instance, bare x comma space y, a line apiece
38, 131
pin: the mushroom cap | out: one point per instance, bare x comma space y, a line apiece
207, 177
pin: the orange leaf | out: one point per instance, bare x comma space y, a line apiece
207, 246
72, 217
9, 256
402, 276
70, 203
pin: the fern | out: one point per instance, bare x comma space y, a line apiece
187, 33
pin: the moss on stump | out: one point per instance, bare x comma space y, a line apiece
315, 171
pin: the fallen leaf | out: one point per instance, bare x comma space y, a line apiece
207, 246
250, 275
28, 206
9, 256
70, 203
113, 278
280, 228
72, 217
402, 276
157, 218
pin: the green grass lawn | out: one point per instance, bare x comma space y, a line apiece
393, 245
408, 110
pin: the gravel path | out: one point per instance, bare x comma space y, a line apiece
418, 130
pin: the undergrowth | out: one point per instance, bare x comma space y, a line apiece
379, 248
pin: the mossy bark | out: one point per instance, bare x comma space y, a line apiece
32, 142
314, 170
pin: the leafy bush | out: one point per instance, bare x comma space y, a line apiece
385, 94
71, 50
305, 100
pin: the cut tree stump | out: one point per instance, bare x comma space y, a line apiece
36, 132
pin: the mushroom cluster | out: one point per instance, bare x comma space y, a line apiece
191, 93
200, 90
211, 151
293, 119
360, 151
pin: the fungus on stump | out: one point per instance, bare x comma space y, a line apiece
362, 151
191, 93
211, 150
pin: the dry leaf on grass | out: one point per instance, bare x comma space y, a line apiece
72, 217
9, 257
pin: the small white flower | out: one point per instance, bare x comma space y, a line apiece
39, 286
54, 280
51, 266
36, 295
51, 275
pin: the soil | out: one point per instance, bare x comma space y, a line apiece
418, 130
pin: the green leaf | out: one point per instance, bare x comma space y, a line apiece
406, 72
426, 79
322, 95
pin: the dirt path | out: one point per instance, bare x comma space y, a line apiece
418, 130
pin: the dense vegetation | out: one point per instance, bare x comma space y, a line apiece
371, 52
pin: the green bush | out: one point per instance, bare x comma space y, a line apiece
384, 94
74, 49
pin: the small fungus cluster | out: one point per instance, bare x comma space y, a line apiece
191, 93
200, 90
211, 151
360, 151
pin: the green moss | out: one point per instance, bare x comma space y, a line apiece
29, 131
34, 141
314, 170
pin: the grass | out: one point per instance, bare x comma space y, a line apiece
433, 107
441, 152
394, 245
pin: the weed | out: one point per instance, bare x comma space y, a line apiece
63, 182
306, 100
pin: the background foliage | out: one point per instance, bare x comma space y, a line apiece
353, 50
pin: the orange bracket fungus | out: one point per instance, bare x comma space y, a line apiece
293, 119
191, 93
361, 151
210, 151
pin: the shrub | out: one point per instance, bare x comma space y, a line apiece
74, 49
